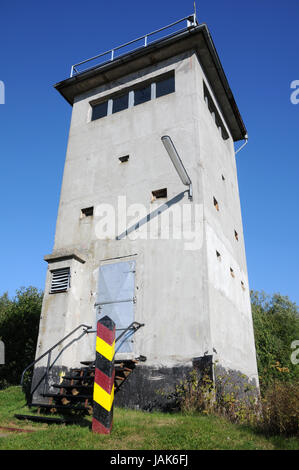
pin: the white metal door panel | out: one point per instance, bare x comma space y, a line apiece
116, 290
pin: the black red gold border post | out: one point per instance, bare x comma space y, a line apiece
103, 392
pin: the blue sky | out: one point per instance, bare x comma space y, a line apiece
258, 45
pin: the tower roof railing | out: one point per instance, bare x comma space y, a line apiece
77, 68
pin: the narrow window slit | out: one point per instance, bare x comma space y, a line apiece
87, 212
159, 193
216, 205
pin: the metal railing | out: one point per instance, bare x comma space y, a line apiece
49, 354
126, 334
191, 23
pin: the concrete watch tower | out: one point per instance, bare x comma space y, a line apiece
189, 287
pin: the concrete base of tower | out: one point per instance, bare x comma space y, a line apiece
38, 388
155, 388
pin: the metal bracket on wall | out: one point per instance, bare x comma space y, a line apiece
99, 304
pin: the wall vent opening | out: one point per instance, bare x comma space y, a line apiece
159, 193
232, 272
87, 212
236, 235
223, 177
60, 281
242, 285
124, 159
218, 255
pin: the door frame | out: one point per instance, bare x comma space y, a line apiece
119, 259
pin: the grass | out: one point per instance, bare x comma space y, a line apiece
135, 430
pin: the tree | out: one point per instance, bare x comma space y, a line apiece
19, 323
276, 326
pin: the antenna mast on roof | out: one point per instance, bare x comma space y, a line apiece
192, 20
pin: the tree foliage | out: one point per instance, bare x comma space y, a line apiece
19, 323
276, 326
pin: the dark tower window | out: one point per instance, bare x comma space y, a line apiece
213, 110
99, 111
120, 103
159, 86
164, 87
142, 95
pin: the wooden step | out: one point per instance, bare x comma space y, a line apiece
68, 386
58, 407
65, 395
43, 419
82, 378
120, 378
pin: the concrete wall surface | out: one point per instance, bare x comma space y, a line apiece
185, 294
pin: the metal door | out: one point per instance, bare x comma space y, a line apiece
116, 299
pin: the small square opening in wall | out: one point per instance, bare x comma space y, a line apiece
232, 272
218, 255
124, 159
236, 236
223, 177
87, 212
242, 285
216, 205
60, 281
159, 193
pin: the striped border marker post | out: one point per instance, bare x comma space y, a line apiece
103, 392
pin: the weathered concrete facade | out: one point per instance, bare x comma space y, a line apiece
190, 289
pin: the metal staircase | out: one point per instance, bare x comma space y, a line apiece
73, 395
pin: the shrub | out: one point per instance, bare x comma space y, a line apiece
277, 412
237, 398
19, 323
276, 326
195, 393
232, 397
280, 409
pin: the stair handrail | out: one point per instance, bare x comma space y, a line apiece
49, 351
134, 326
127, 333
130, 330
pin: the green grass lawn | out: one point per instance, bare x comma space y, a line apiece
132, 430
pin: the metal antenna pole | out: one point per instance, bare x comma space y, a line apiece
195, 15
